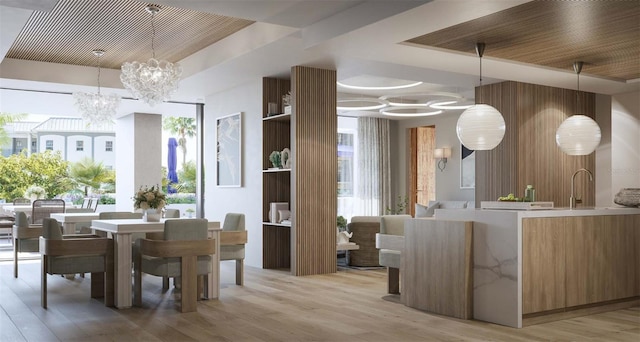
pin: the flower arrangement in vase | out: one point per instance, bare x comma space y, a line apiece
150, 201
35, 192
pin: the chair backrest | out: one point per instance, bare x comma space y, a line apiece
186, 229
172, 213
86, 202
43, 208
21, 200
21, 219
78, 210
233, 222
393, 224
119, 215
94, 204
51, 229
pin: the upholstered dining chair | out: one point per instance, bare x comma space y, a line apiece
70, 254
172, 213
21, 200
25, 238
43, 208
185, 252
232, 240
392, 228
114, 215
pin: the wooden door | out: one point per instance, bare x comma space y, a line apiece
422, 184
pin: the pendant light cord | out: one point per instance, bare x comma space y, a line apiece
577, 67
480, 53
99, 75
153, 35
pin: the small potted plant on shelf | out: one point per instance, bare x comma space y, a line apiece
190, 212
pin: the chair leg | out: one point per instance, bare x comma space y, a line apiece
201, 287
137, 279
240, 272
393, 280
43, 281
15, 258
189, 283
97, 284
165, 283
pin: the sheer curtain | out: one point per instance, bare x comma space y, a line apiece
373, 193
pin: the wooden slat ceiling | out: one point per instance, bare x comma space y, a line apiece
122, 28
603, 34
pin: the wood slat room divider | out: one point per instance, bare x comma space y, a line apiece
528, 154
314, 174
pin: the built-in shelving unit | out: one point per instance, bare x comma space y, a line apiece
308, 245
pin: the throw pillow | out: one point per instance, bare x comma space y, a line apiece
424, 211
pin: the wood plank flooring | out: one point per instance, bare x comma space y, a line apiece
272, 306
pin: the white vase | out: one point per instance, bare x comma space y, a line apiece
151, 215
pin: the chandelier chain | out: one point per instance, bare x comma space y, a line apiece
99, 74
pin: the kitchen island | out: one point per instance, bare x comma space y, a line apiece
534, 266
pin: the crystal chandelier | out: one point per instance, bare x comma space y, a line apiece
154, 81
97, 109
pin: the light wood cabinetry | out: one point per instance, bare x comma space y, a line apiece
543, 255
308, 245
570, 262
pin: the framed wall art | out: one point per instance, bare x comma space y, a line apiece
229, 150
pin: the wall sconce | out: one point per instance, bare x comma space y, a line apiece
442, 154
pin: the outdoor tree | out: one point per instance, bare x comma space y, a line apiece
89, 174
183, 127
47, 170
187, 177
6, 118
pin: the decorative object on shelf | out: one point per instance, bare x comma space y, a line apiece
154, 81
481, 126
274, 208
442, 154
283, 215
272, 109
341, 223
150, 201
190, 212
285, 158
229, 156
578, 135
529, 194
96, 108
35, 192
276, 159
286, 100
629, 197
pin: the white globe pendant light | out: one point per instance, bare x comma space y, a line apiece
481, 126
578, 135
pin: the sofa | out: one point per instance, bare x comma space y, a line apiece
429, 209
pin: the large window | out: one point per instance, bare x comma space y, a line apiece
347, 166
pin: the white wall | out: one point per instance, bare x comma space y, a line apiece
108, 158
625, 141
72, 154
58, 144
447, 181
247, 199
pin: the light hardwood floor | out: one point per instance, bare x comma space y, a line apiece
272, 306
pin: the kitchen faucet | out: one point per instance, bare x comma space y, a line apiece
573, 200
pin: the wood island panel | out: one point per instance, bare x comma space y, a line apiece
601, 251
543, 255
437, 269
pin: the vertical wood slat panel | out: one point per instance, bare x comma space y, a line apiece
314, 172
276, 186
528, 153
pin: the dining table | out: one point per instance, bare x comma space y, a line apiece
122, 231
69, 220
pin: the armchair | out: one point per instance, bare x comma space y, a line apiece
25, 238
185, 252
43, 208
364, 229
233, 237
76, 254
391, 243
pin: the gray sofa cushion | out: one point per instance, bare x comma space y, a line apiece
426, 211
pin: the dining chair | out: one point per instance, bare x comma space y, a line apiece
113, 215
25, 238
233, 238
43, 208
21, 200
69, 254
184, 252
172, 213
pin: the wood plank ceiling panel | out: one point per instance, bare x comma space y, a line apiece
122, 28
603, 34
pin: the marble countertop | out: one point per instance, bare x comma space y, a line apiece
580, 211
